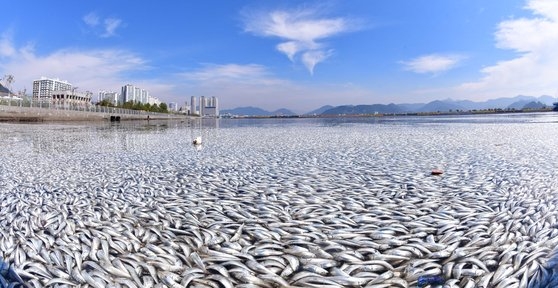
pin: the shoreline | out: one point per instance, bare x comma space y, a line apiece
380, 115
35, 114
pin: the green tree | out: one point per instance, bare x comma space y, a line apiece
105, 103
135, 105
146, 107
128, 105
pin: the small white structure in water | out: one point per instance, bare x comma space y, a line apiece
197, 141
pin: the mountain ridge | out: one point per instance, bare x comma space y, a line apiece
518, 102
256, 111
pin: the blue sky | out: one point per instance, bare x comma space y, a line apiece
288, 54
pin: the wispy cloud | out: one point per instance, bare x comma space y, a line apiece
88, 69
91, 19
102, 27
237, 72
301, 30
434, 63
255, 85
111, 24
237, 83
313, 57
231, 76
6, 47
534, 70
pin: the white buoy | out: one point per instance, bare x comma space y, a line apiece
197, 141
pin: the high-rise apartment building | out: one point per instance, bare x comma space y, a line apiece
193, 105
135, 94
43, 88
112, 97
127, 90
144, 96
207, 106
211, 107
136, 97
215, 105
202, 106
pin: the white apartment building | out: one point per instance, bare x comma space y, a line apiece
207, 107
144, 96
193, 105
127, 92
202, 106
212, 107
136, 94
43, 88
112, 97
154, 101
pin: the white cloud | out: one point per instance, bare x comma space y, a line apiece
302, 25
6, 47
546, 8
214, 72
254, 85
237, 85
301, 29
534, 70
91, 19
313, 57
108, 27
93, 70
231, 79
433, 63
111, 24
290, 49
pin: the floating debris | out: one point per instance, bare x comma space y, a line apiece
437, 172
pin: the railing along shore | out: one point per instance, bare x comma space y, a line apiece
22, 110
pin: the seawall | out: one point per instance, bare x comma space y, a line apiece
35, 114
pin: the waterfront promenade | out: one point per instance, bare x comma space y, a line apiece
17, 113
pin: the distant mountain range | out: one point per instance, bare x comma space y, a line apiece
516, 103
320, 110
255, 111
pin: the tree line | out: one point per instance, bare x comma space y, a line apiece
135, 105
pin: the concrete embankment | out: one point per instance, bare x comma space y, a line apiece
34, 114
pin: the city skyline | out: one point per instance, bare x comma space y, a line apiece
289, 54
